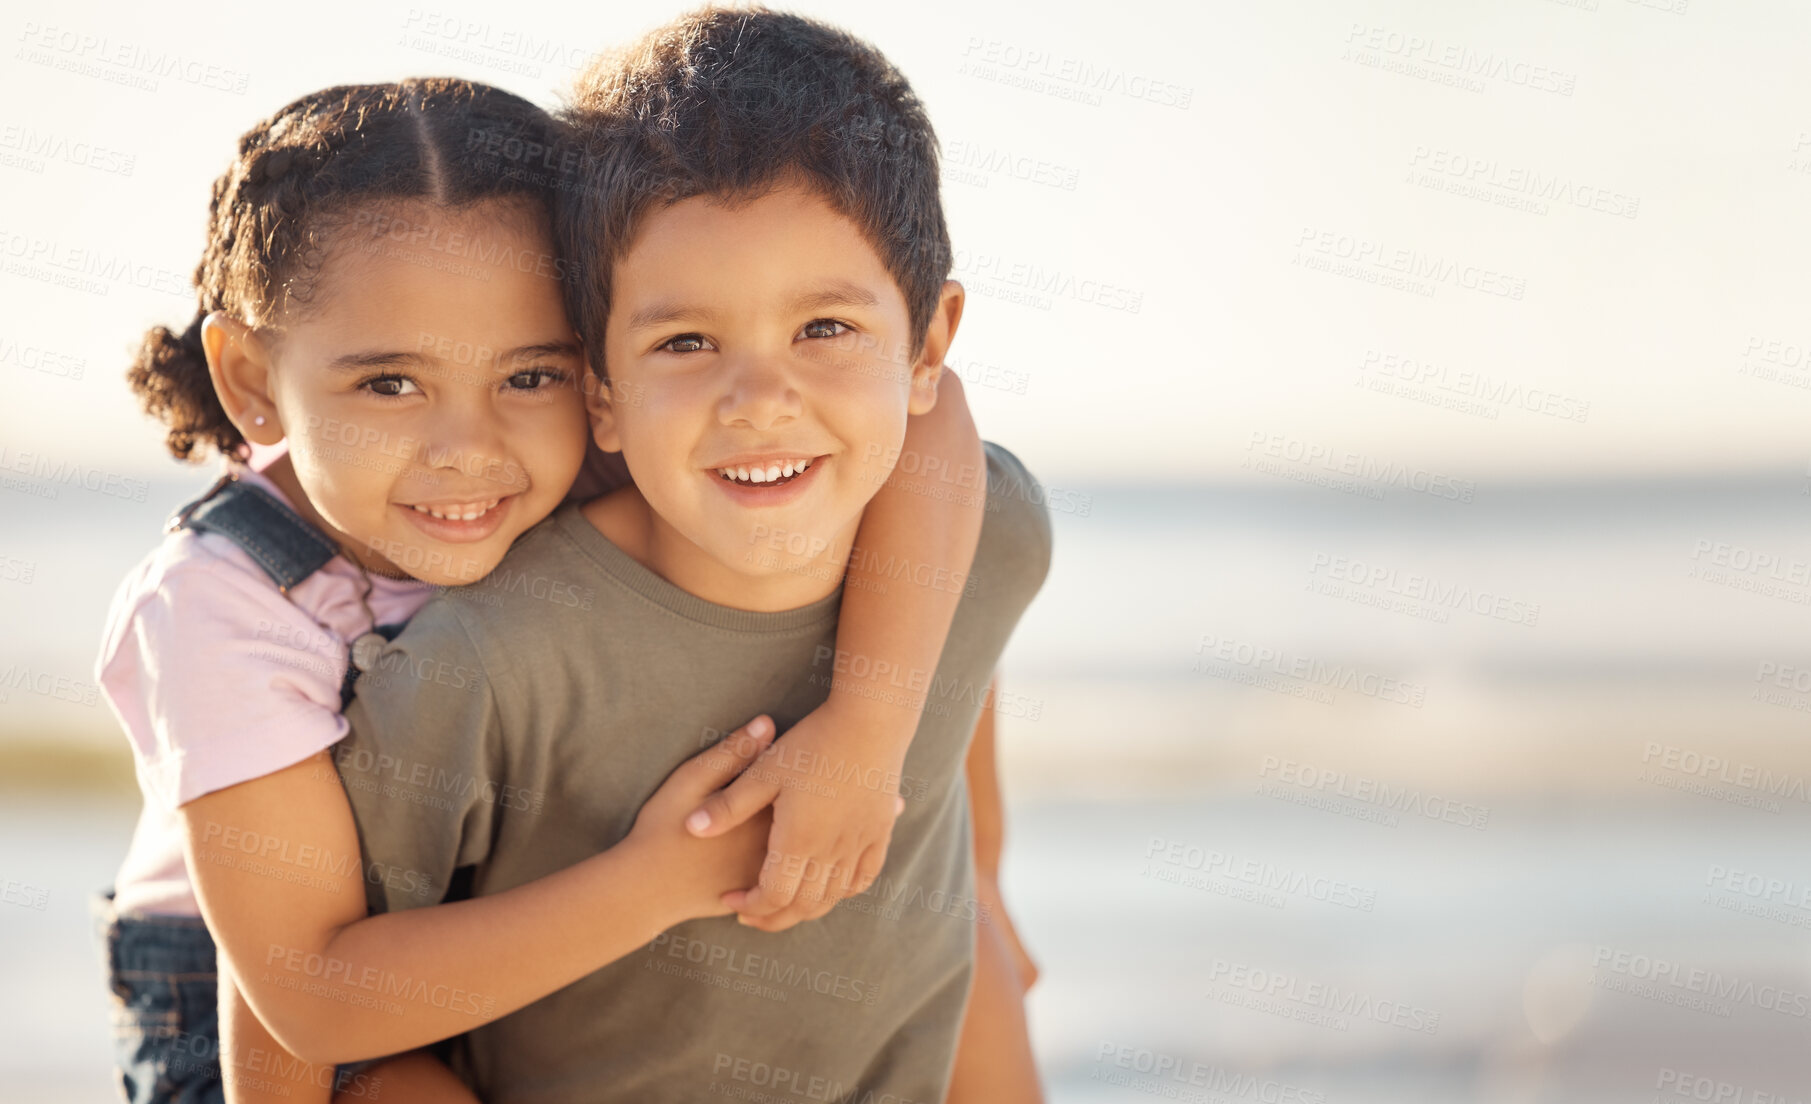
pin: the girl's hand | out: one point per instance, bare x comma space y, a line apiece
829, 842
696, 873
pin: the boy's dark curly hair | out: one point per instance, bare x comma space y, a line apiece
299, 175
728, 102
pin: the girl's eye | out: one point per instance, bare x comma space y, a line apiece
684, 343
532, 379
823, 327
390, 387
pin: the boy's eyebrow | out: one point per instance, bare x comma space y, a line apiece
841, 293
659, 314
398, 358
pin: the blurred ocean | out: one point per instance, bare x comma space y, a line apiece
1313, 795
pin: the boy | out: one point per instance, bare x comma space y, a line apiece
761, 265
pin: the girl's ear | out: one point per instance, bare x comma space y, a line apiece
928, 368
239, 365
600, 405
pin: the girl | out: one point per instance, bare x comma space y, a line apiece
356, 250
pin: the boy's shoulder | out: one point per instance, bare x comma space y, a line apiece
1015, 532
542, 580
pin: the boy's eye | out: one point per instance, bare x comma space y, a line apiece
685, 343
532, 379
823, 327
390, 386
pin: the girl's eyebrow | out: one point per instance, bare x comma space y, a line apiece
355, 362
545, 349
398, 358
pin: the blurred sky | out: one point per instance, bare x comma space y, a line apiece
1193, 161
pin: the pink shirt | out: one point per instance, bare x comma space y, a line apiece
218, 678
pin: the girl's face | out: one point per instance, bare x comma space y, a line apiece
430, 390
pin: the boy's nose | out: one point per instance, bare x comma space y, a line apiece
758, 395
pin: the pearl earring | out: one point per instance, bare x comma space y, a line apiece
259, 420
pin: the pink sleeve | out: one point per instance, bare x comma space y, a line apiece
218, 678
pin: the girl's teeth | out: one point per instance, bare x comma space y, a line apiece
469, 512
788, 469
742, 474
773, 472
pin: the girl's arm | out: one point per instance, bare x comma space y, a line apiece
907, 572
255, 1069
253, 1066
279, 878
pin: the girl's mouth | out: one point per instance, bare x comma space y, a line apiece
459, 522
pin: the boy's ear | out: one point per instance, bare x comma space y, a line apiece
928, 368
239, 363
600, 405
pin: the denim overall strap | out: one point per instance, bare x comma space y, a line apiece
284, 544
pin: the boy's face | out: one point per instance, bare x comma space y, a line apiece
745, 338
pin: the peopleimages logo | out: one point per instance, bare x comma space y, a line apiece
1395, 799
1263, 876
1161, 1074
66, 473
1704, 990
1331, 999
1488, 392
1337, 676
1416, 587
1267, 451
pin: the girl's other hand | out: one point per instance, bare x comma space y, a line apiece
696, 873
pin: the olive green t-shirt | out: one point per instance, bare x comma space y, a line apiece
517, 726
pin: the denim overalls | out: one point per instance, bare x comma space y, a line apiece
166, 1026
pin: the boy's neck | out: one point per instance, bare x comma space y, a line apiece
627, 521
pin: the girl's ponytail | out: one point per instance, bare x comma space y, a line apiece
170, 377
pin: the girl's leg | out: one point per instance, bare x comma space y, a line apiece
994, 1063
413, 1078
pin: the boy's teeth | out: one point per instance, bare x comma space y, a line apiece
771, 473
469, 512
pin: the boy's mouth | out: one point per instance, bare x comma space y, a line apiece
773, 471
767, 481
459, 522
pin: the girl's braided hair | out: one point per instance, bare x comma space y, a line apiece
298, 177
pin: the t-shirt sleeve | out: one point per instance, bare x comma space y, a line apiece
422, 761
218, 678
